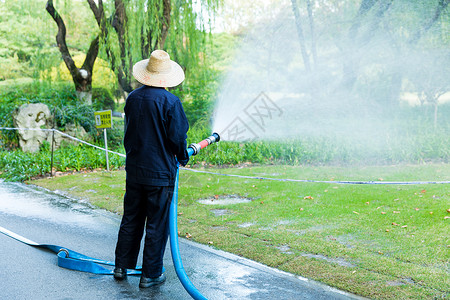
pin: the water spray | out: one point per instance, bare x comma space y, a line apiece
193, 149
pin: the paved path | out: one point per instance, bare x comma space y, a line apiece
47, 218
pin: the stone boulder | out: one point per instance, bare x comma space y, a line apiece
29, 118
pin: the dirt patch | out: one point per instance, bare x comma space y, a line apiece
340, 261
224, 200
285, 249
220, 212
245, 225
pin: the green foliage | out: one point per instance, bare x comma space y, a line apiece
418, 144
27, 35
102, 78
199, 91
146, 29
21, 36
220, 50
102, 99
19, 166
63, 104
198, 96
81, 115
412, 138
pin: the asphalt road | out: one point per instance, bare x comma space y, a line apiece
47, 218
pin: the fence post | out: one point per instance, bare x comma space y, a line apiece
53, 140
53, 145
106, 149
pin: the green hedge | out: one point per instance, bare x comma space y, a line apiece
19, 166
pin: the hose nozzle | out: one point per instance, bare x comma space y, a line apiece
195, 148
214, 138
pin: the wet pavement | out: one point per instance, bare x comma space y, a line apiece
47, 218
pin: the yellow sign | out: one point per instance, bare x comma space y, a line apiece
103, 119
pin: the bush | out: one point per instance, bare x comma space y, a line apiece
63, 104
197, 96
102, 99
19, 166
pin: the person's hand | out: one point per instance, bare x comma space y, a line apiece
182, 162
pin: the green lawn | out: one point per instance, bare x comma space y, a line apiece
378, 241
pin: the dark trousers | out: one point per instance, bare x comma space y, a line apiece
144, 203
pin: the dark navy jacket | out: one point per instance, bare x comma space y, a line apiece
156, 128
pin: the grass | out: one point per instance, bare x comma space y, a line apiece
378, 241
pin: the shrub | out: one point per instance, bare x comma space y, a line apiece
19, 166
64, 105
102, 99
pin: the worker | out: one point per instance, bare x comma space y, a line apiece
155, 140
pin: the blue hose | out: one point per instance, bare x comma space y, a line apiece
70, 259
174, 247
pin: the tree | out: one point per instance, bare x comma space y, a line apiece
300, 36
428, 72
440, 8
82, 77
359, 36
130, 32
408, 49
372, 37
23, 43
136, 28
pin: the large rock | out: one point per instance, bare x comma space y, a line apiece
29, 118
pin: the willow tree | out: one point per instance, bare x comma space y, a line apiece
134, 28
373, 39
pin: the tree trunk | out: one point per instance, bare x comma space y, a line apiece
435, 113
126, 61
313, 34
357, 40
301, 38
123, 65
165, 23
117, 20
146, 43
82, 77
442, 5
349, 62
149, 42
364, 7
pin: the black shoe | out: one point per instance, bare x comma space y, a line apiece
120, 273
148, 282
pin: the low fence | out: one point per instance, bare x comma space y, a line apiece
65, 135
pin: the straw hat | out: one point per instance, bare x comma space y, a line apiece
158, 71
